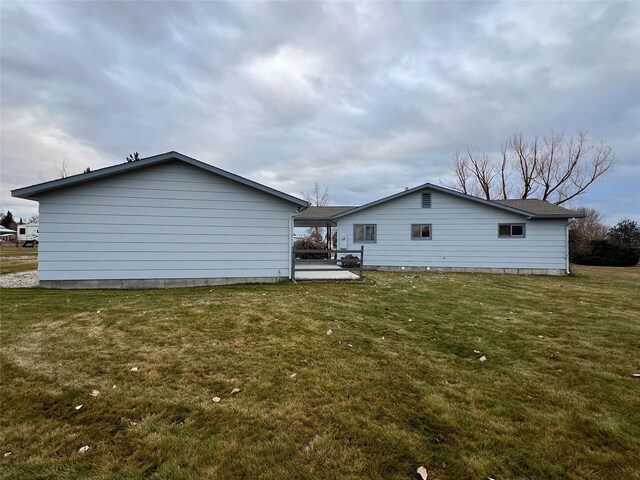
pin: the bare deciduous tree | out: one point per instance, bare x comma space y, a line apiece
585, 230
317, 198
590, 226
554, 167
63, 169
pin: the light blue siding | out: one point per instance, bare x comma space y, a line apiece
464, 235
171, 220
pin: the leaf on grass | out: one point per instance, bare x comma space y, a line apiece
234, 391
329, 332
84, 449
113, 386
132, 423
476, 351
95, 393
134, 369
8, 454
294, 376
422, 472
78, 407
482, 358
216, 399
635, 375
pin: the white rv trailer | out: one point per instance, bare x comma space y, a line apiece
28, 232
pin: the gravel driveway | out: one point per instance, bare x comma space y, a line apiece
19, 280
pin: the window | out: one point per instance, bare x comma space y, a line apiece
507, 230
421, 232
23, 231
426, 200
364, 234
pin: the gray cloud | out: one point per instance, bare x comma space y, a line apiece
366, 98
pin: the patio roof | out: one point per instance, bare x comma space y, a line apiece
319, 216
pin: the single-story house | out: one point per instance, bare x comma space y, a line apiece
107, 228
432, 227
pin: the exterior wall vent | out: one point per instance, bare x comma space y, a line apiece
426, 200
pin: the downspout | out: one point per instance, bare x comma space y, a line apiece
292, 224
566, 246
290, 252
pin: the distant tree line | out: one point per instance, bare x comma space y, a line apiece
7, 220
593, 243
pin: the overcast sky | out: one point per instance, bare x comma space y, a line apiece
365, 98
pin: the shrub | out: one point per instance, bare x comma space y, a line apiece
607, 254
350, 261
579, 245
310, 243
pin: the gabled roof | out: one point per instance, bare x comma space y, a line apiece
530, 208
33, 191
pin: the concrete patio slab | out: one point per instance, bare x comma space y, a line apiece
323, 272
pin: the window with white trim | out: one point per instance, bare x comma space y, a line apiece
364, 233
421, 231
511, 230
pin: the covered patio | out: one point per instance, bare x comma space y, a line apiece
321, 218
326, 265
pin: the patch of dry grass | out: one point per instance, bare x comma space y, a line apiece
16, 259
377, 398
11, 265
13, 251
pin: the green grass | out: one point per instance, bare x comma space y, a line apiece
379, 397
11, 263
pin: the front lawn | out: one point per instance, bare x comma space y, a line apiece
397, 384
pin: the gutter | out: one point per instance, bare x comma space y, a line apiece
566, 246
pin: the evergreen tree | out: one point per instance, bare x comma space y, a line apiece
626, 232
8, 221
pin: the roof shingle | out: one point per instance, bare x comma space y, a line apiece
538, 207
321, 212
